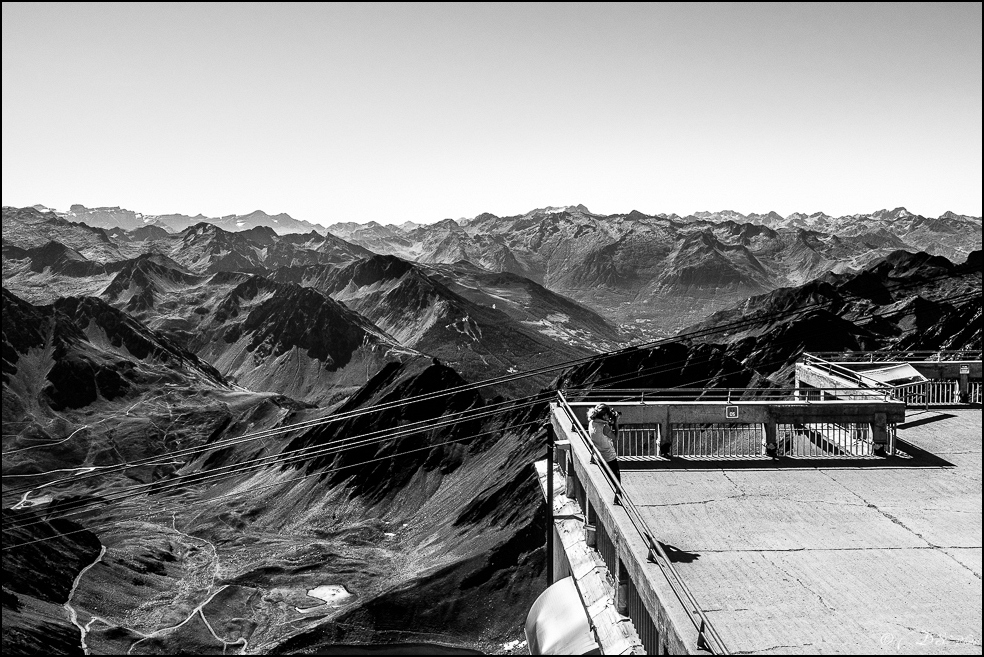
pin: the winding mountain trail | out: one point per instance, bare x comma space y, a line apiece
196, 611
114, 416
215, 552
72, 614
63, 440
200, 608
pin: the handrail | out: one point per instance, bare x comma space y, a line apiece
839, 370
686, 598
878, 356
638, 395
905, 391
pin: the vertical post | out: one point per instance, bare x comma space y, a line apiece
964, 383
771, 442
568, 468
590, 531
621, 590
665, 432
550, 499
881, 444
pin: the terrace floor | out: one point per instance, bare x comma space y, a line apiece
833, 557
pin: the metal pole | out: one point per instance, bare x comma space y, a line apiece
550, 496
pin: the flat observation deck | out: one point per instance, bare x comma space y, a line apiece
834, 558
837, 551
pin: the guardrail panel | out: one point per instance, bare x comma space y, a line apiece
825, 440
723, 440
638, 441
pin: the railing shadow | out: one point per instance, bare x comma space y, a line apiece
907, 456
676, 555
924, 420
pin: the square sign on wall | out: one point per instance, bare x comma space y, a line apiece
731, 412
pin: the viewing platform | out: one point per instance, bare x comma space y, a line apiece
926, 378
752, 521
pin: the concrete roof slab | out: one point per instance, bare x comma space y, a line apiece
839, 601
881, 559
970, 558
738, 524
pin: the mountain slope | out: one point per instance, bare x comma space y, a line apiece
78, 350
264, 335
206, 248
453, 511
421, 312
906, 301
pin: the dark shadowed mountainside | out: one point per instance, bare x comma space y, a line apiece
475, 337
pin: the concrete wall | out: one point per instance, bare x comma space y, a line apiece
878, 414
751, 412
948, 370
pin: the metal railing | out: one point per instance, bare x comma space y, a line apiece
637, 442
929, 393
707, 636
642, 395
830, 440
717, 441
829, 367
896, 356
635, 609
747, 441
606, 548
918, 393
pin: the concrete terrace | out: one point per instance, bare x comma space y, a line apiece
876, 557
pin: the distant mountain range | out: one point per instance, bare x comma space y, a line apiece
116, 217
652, 274
648, 274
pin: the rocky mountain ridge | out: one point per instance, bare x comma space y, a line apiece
653, 274
207, 289
116, 217
650, 274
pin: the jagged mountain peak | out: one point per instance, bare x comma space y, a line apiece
202, 228
448, 224
898, 213
559, 209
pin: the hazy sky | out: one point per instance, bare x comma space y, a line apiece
394, 112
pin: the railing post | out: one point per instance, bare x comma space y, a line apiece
665, 434
568, 468
771, 444
879, 435
590, 532
621, 589
964, 384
